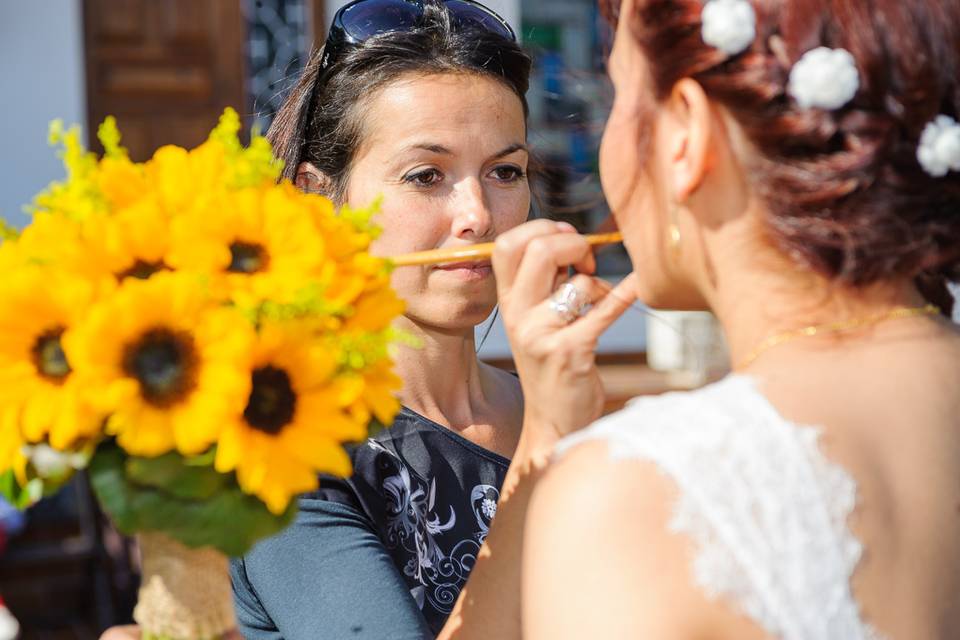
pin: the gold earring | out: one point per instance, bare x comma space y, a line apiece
674, 229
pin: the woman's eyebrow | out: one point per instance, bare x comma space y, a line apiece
426, 146
439, 148
507, 151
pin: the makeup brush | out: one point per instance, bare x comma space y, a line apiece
479, 252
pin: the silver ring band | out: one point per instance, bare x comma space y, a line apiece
568, 302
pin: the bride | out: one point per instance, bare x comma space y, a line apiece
794, 166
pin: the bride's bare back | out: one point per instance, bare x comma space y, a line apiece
890, 409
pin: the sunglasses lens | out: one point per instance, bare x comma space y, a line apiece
471, 16
366, 19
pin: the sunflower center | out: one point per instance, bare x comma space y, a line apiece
48, 356
163, 362
246, 257
272, 400
142, 270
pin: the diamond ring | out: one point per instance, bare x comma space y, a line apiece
569, 302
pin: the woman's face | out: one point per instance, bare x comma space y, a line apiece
634, 171
447, 152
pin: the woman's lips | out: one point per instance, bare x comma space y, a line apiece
469, 271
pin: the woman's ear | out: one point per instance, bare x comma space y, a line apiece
309, 179
692, 132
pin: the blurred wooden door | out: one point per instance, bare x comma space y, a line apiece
165, 68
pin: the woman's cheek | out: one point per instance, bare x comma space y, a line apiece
513, 209
400, 232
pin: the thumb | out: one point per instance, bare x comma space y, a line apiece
606, 311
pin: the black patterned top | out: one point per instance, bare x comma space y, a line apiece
383, 554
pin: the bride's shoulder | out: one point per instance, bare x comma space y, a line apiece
731, 409
617, 511
764, 510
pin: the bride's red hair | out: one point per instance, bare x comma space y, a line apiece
846, 194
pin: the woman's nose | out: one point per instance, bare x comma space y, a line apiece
471, 216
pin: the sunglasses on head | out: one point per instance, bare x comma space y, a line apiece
360, 20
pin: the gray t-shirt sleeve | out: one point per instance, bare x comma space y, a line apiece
327, 576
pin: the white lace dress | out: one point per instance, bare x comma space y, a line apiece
767, 511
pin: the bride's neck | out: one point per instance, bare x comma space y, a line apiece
754, 305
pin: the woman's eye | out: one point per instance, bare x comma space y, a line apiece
426, 178
508, 173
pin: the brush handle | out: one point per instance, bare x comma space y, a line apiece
480, 251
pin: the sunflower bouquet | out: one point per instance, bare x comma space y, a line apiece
199, 337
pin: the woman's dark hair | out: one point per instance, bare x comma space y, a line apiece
845, 192
321, 121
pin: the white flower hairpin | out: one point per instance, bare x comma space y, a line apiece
824, 78
728, 25
939, 150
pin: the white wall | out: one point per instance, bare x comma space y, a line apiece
41, 78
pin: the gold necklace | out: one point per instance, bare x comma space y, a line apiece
835, 327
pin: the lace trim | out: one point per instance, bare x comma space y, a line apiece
767, 511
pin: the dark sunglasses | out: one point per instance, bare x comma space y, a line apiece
360, 20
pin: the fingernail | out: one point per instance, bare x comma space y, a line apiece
566, 227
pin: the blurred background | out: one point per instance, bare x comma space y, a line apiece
166, 69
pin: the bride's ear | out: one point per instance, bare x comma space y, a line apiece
309, 179
691, 136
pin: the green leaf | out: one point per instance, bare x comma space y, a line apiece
228, 520
202, 460
23, 496
176, 475
111, 487
52, 485
19, 497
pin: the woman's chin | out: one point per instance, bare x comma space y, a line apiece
667, 295
450, 315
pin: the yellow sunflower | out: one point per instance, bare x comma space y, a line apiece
165, 362
187, 183
105, 249
38, 385
121, 181
261, 240
380, 386
132, 237
10, 256
52, 240
375, 309
353, 228
11, 445
133, 243
294, 421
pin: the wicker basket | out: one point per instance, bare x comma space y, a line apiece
185, 593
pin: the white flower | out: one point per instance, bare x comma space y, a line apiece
824, 78
729, 25
489, 508
50, 463
939, 150
955, 292
9, 627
